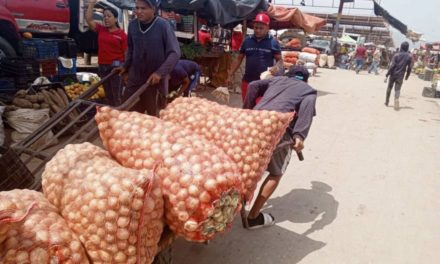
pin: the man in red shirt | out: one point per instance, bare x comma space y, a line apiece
204, 36
361, 53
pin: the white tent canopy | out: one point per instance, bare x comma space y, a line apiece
347, 40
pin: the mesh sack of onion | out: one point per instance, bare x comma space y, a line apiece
116, 212
248, 137
32, 231
200, 183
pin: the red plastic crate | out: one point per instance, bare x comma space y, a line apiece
49, 67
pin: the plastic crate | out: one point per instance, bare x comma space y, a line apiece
20, 67
7, 84
66, 71
48, 67
44, 49
13, 172
23, 70
7, 89
67, 48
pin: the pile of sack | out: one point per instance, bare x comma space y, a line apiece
189, 170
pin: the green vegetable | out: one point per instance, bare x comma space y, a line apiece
192, 50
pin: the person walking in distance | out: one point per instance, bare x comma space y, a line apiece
360, 55
400, 64
376, 61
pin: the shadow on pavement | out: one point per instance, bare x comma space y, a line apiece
323, 93
274, 244
406, 108
313, 205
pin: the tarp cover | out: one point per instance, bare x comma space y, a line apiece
221, 12
345, 39
292, 17
379, 11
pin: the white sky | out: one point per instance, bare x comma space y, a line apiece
421, 16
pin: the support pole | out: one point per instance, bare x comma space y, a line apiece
336, 29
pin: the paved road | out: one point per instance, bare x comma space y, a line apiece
367, 192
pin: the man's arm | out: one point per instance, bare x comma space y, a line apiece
393, 65
172, 50
255, 90
236, 64
408, 68
185, 85
129, 53
305, 114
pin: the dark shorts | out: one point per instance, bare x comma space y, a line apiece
281, 157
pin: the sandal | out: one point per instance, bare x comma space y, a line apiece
262, 220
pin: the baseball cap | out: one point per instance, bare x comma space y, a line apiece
298, 72
262, 18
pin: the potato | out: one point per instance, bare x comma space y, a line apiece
23, 103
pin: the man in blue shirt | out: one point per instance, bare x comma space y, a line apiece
184, 77
261, 51
153, 51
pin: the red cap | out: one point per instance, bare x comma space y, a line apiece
262, 18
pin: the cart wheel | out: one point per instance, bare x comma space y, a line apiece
164, 257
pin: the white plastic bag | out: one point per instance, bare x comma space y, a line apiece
307, 57
26, 121
310, 65
323, 60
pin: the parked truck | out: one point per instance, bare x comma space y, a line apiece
53, 19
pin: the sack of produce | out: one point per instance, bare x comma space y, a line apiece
310, 65
323, 60
311, 50
32, 231
116, 212
25, 122
200, 183
248, 137
308, 57
331, 61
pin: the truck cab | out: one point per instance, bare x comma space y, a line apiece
53, 19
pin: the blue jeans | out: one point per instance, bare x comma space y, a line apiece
359, 64
194, 81
373, 67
